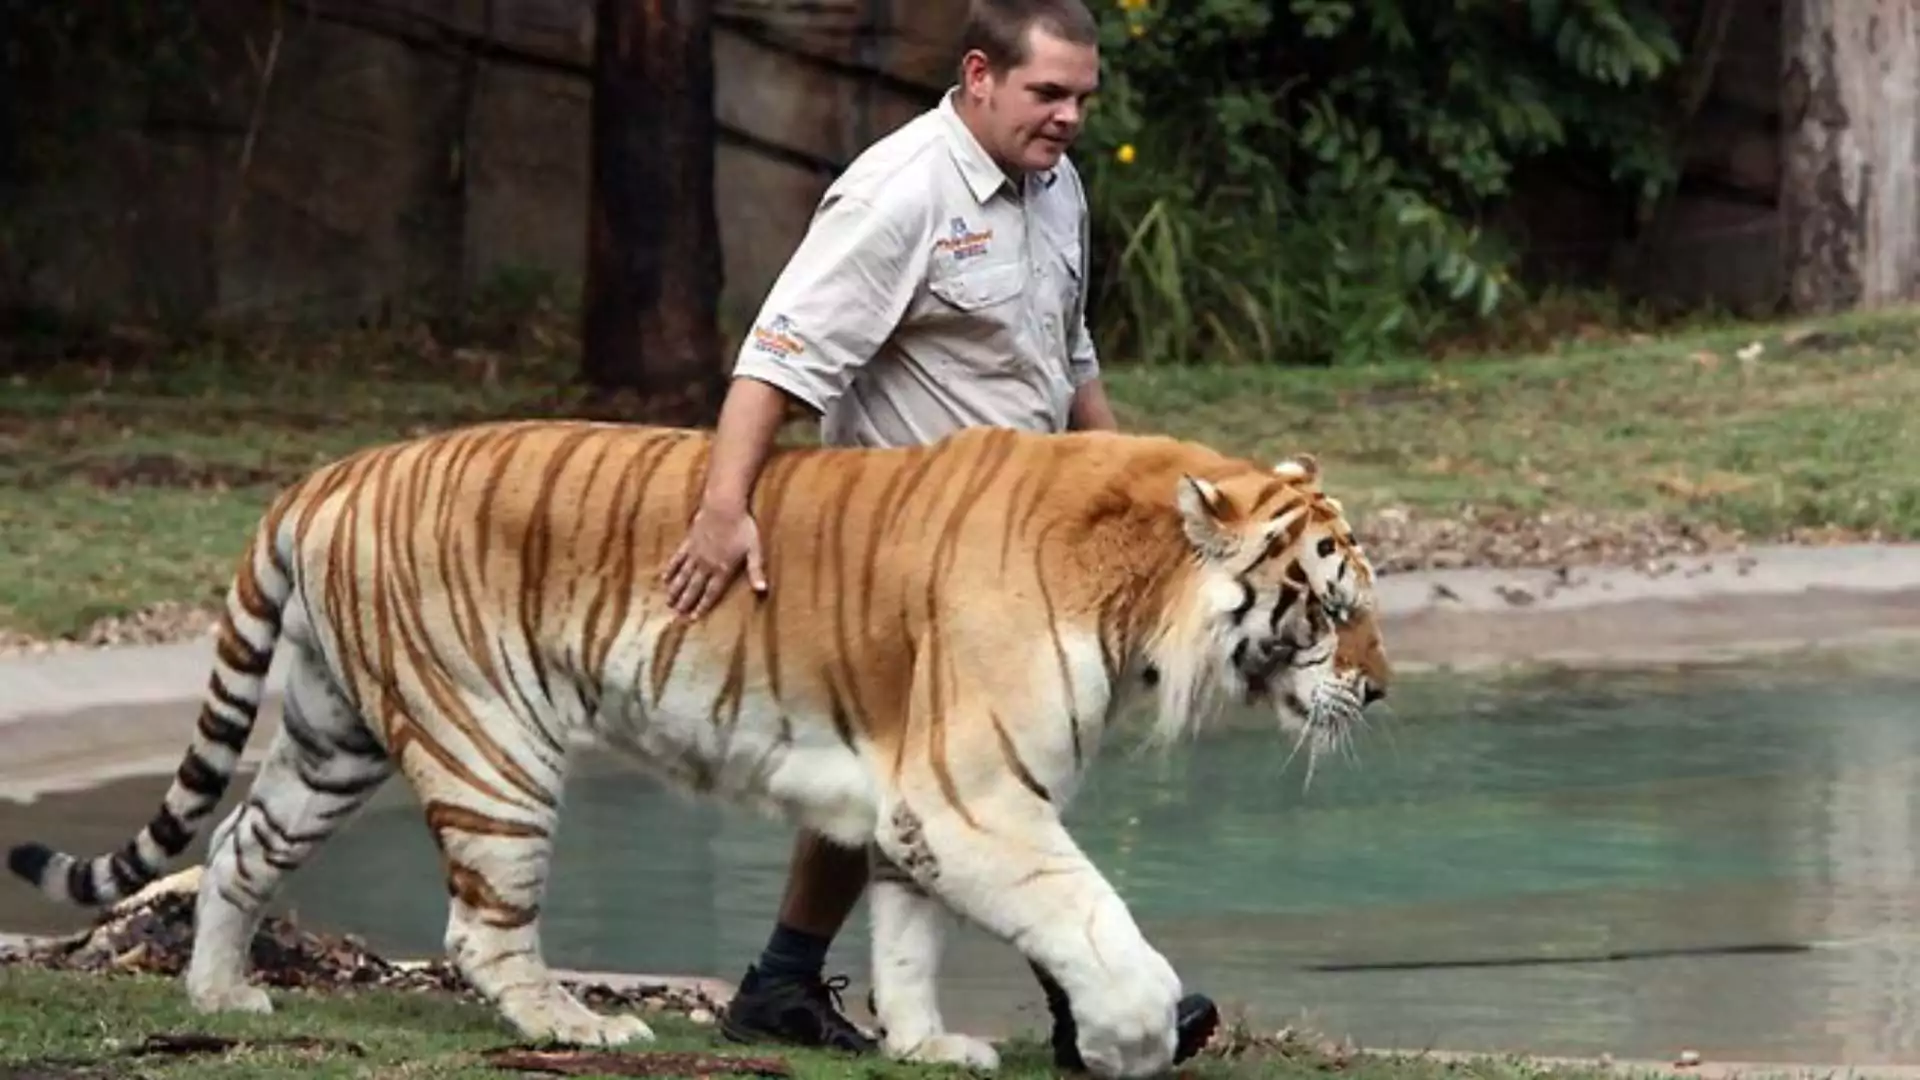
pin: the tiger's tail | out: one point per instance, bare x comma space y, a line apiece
244, 644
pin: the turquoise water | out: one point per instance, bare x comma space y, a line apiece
1725, 860
1720, 860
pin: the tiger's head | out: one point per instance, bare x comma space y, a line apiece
1278, 608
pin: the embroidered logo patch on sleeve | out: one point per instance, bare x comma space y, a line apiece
776, 338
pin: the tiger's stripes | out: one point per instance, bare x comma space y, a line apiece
950, 633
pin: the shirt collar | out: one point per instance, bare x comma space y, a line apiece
983, 177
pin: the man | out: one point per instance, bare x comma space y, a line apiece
941, 284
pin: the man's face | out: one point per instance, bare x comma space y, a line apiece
1030, 114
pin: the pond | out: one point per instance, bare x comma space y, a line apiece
1720, 859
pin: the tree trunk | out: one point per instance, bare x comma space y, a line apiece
652, 291
1850, 115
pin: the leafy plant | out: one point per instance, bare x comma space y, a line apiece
1307, 180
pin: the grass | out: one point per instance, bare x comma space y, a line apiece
1805, 435
50, 1019
134, 481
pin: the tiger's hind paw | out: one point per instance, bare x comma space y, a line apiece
559, 1018
235, 997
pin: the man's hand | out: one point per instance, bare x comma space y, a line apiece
723, 532
705, 562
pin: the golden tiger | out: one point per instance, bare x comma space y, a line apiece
950, 632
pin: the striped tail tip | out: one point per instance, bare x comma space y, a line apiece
82, 882
30, 861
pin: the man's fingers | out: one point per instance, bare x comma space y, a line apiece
684, 587
715, 586
756, 568
674, 562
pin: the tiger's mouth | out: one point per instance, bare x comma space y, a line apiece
1336, 707
1334, 713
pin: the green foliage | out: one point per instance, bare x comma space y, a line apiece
1308, 180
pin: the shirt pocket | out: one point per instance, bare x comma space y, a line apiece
977, 287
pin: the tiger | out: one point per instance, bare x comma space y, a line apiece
950, 632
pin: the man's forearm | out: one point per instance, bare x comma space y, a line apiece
1090, 410
749, 419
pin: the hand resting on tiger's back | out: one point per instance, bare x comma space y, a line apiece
723, 533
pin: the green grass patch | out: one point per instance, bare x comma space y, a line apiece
1804, 433
134, 481
55, 1024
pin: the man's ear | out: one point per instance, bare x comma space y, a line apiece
1208, 516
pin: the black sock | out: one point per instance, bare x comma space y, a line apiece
793, 955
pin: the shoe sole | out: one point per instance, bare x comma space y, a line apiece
755, 1037
733, 1034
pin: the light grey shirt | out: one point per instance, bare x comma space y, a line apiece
930, 293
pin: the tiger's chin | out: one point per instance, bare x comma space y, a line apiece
1322, 724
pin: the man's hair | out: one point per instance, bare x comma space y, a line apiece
998, 28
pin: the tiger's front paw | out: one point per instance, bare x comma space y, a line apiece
948, 1048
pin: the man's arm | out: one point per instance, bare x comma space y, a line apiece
749, 419
1091, 411
839, 297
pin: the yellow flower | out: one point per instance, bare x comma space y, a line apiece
1137, 30
1125, 153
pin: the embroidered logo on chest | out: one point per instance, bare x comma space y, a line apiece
962, 243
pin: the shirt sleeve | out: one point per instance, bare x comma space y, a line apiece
841, 294
1083, 360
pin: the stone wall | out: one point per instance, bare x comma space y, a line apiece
345, 159
348, 158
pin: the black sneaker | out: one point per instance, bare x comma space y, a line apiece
1196, 1020
792, 1011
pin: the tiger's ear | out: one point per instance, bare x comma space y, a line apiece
1208, 516
1302, 467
